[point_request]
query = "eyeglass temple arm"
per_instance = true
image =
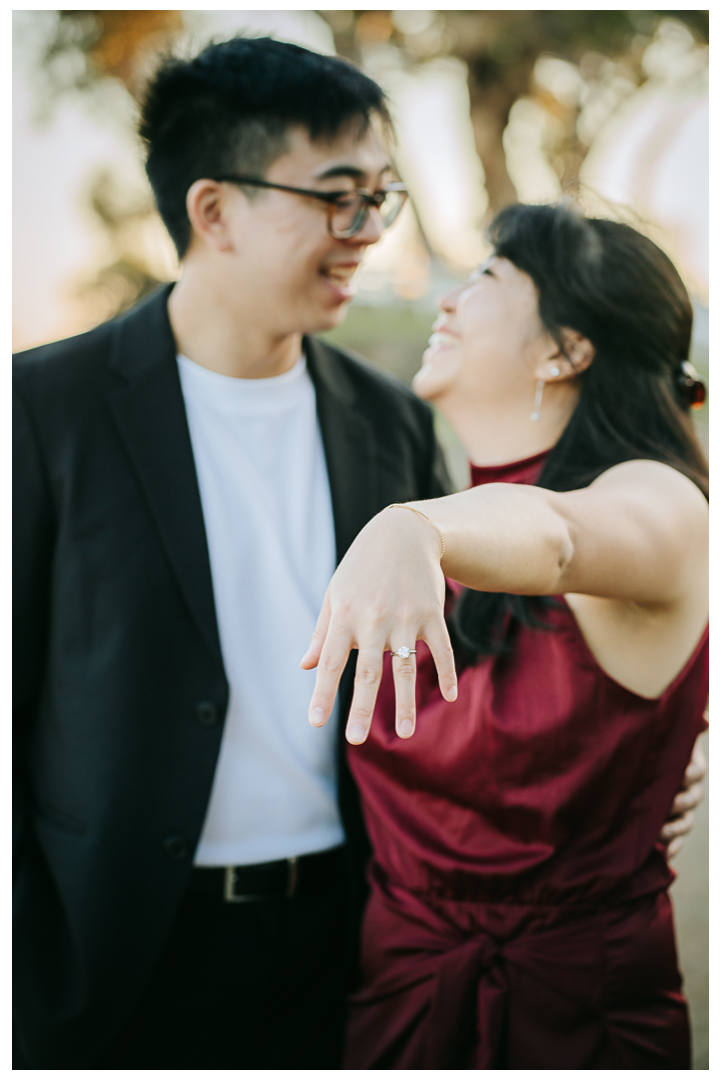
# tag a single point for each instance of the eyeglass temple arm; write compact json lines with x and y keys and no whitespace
{"x":372,"y":198}
{"x":325,"y":196}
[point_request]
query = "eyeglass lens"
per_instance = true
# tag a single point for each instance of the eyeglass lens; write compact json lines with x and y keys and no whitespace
{"x":348,"y":215}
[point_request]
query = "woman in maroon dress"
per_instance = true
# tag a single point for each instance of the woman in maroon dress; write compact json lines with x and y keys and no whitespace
{"x":519,"y":915}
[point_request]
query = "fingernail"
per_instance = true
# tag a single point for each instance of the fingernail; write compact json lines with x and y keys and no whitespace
{"x":452,"y":694}
{"x":355,"y":733}
{"x":406,"y":728}
{"x":316,"y":717}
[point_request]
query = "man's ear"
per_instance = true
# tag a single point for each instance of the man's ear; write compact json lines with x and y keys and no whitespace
{"x":576,"y":355}
{"x":208,"y":210}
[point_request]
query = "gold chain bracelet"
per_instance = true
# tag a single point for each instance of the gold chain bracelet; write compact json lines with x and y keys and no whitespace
{"x":438,"y":530}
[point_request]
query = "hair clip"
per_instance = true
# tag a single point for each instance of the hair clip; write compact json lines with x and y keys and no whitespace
{"x":690,"y":386}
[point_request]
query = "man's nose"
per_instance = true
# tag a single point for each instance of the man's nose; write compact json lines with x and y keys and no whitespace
{"x":372,"y":228}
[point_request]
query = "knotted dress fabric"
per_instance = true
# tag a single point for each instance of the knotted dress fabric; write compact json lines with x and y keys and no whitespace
{"x":518,"y":915}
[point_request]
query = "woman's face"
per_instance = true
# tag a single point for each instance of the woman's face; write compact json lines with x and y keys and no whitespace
{"x":487,"y":341}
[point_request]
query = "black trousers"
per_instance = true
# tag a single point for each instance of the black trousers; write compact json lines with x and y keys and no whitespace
{"x":258,"y":985}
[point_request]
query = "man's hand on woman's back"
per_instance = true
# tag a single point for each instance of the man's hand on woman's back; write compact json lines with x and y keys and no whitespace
{"x":681,"y":817}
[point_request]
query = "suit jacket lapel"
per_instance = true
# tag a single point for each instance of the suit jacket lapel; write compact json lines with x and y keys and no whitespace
{"x":149,"y":411}
{"x":350,"y":446}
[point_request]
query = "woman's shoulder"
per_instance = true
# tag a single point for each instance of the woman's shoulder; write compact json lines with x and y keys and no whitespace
{"x":652,"y":478}
{"x":649,"y":507}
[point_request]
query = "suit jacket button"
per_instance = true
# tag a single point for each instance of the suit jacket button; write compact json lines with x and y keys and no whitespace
{"x":206,"y":714}
{"x":175,"y":848}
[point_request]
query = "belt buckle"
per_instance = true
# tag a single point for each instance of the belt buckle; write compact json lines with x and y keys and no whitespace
{"x":231,"y":897}
{"x":229,"y":894}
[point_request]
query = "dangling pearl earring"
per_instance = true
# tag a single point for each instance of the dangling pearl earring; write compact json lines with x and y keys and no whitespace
{"x":539,"y":387}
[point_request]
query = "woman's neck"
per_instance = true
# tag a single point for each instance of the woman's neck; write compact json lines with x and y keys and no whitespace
{"x":497,"y":436}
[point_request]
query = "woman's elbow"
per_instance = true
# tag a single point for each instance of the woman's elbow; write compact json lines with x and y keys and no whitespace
{"x":563,"y":550}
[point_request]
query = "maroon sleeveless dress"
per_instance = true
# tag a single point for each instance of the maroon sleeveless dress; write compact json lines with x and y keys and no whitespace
{"x":519,"y":916}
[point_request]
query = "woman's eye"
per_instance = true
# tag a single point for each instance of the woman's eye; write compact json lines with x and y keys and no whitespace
{"x":487,"y":270}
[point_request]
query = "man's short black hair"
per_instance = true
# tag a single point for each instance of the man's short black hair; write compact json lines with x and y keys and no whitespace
{"x":229,"y":110}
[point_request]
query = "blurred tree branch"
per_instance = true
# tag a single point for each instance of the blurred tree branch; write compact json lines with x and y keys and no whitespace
{"x":129,"y":274}
{"x":92,"y":45}
{"x":501,"y":49}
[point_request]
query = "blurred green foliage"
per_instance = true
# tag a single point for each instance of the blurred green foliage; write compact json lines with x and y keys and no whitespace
{"x":393,"y":337}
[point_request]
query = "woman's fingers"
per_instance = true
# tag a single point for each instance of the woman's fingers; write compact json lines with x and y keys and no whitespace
{"x":438,"y":641}
{"x":330,"y":667}
{"x":387,"y":583}
{"x":404,"y":670}
{"x":312,"y":656}
{"x":367,"y":681}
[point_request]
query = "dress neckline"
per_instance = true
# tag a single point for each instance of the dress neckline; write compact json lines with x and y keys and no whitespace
{"x":525,"y":471}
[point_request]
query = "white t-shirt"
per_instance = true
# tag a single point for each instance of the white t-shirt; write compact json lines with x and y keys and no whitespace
{"x":268,"y":517}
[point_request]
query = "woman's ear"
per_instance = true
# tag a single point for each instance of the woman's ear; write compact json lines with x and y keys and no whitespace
{"x":579,"y":350}
{"x":576,"y":355}
{"x":208,"y":211}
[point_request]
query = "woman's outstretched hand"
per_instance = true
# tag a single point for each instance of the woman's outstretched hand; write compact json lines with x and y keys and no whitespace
{"x":387,"y":593}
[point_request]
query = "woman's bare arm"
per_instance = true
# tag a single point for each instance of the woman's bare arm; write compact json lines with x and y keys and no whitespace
{"x":638,"y":536}
{"x":638,"y":533}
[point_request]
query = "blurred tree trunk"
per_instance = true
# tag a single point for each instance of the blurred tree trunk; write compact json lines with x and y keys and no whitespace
{"x":489,"y":113}
{"x":500,"y":66}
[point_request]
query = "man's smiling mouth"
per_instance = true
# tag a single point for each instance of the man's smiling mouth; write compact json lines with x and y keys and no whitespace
{"x":338,"y":278}
{"x":339,"y":273}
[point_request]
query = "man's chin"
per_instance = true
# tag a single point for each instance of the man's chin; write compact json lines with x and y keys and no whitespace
{"x":329,"y":319}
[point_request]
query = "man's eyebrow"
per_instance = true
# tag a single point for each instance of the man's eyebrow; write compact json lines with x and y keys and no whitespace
{"x":352,"y":171}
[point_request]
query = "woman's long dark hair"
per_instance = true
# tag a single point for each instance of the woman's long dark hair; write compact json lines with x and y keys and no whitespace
{"x":618,"y":289}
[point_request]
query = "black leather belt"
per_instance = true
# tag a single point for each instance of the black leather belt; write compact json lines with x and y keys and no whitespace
{"x":281,"y":880}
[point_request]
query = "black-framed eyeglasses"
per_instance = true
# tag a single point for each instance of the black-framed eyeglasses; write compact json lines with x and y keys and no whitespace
{"x":347,"y":210}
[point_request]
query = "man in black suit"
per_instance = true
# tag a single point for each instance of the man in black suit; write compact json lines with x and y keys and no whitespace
{"x":189,"y":850}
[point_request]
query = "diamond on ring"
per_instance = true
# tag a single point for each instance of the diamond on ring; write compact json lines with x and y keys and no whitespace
{"x":403,"y":652}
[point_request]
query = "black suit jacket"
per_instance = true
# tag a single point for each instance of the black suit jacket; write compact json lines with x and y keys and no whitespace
{"x":120,"y":691}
